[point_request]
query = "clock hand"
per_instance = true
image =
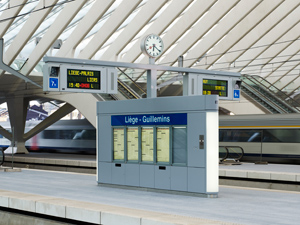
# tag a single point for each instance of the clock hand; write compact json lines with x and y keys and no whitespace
{"x":156,"y":48}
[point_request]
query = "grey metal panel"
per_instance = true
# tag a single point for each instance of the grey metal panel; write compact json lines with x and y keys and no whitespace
{"x":210,"y":104}
{"x":147,"y":176}
{"x":196,"y":127}
{"x":196,"y":180}
{"x":118,"y":173}
{"x":138,"y":66}
{"x":191,"y":178}
{"x":132,"y":176}
{"x":104,"y":143}
{"x":104,"y":172}
{"x":179,"y":178}
{"x":163,"y":177}
{"x":159,"y":105}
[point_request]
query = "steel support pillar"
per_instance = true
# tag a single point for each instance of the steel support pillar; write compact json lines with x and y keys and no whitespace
{"x":151,"y":83}
{"x":17,"y":110}
{"x":57,"y":115}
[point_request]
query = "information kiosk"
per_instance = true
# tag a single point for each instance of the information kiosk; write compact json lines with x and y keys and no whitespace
{"x":166,"y":144}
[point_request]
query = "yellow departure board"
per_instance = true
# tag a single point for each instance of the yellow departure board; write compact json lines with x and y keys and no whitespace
{"x":118,"y":143}
{"x":163,"y":144}
{"x":215,"y":87}
{"x":83,"y":79}
{"x":132,"y":143}
{"x":147,"y":144}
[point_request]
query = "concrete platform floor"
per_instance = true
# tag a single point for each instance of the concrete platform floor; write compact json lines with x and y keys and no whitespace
{"x":70,"y":194}
{"x":271,"y":172}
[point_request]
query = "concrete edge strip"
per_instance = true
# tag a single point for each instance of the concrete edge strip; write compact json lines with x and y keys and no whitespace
{"x":62,"y":162}
{"x":93,"y":212}
{"x":276,"y":176}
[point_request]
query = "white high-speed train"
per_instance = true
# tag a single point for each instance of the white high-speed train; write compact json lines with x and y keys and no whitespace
{"x":275,"y":138}
{"x":72,"y":136}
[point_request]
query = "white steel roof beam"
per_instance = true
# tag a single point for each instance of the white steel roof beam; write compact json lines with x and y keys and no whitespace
{"x":241,"y":30}
{"x":259,"y":64}
{"x":227,"y":32}
{"x":109,"y":27}
{"x":8,"y":16}
{"x":202,"y":27}
{"x":282,"y":52}
{"x":283,"y":74}
{"x":157,"y":27}
{"x":85,"y":25}
{"x":198,"y":9}
{"x":138,"y":22}
{"x":269,"y":18}
{"x":27,"y":31}
{"x":275,"y":32}
{"x":273,"y":57}
{"x":277,"y":68}
{"x":291,"y":47}
{"x":293,"y":86}
{"x":63,"y":19}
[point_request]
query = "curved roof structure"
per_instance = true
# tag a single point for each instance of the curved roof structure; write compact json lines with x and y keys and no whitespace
{"x":257,"y":37}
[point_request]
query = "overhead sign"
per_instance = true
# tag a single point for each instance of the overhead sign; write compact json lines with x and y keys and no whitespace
{"x":79,"y":78}
{"x":83,"y":79}
{"x":149,"y":119}
{"x":215,"y":87}
{"x":226,"y":87}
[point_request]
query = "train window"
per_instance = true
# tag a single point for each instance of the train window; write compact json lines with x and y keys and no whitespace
{"x":282,"y":135}
{"x":50,"y":134}
{"x":179,"y":145}
{"x":241,"y":135}
{"x":60,"y":134}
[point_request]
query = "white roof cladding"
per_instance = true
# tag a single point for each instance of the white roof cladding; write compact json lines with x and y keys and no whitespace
{"x":257,"y":37}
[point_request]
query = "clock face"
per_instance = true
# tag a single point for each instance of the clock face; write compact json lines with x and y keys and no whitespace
{"x":153,"y":45}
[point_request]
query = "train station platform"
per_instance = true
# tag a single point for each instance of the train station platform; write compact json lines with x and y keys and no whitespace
{"x":78,"y":197}
{"x":270,"y":176}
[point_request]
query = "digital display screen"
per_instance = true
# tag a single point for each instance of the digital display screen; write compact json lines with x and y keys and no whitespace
{"x":83,"y":79}
{"x":215,"y":87}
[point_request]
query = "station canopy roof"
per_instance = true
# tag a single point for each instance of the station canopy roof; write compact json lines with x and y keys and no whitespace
{"x":257,"y":37}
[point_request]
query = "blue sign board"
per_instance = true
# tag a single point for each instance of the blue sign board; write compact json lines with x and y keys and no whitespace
{"x":236,"y":93}
{"x":53,"y":83}
{"x":149,"y":119}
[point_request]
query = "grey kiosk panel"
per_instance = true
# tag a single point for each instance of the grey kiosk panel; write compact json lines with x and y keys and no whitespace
{"x":168,"y":143}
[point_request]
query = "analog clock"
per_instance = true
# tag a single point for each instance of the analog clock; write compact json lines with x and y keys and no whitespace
{"x":152,"y":45}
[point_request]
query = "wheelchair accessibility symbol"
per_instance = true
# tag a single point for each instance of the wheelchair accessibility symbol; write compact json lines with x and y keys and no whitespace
{"x":53,"y":83}
{"x":236,"y":93}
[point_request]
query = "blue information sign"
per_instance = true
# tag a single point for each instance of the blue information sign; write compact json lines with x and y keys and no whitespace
{"x":53,"y":83}
{"x":236,"y":93}
{"x":149,"y":119}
